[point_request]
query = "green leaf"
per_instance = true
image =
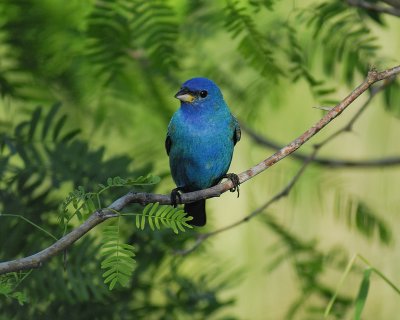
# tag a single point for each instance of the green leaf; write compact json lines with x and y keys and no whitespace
{"x":143,"y":222}
{"x":153,"y":209}
{"x":58,"y":127}
{"x":70,"y":135}
{"x":33,"y":123}
{"x":118,"y":258}
{"x":137,"y":218}
{"x":49,"y":119}
{"x":252,"y":45}
{"x":170,"y":217}
{"x":151,"y":223}
{"x":369,"y":223}
{"x":8,"y":284}
{"x":362,"y":294}
{"x":109,"y":181}
{"x":392,"y":98}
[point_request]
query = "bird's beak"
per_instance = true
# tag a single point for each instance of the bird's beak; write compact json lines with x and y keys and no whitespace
{"x":185,"y":95}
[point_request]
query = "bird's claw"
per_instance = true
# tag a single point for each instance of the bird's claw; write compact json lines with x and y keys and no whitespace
{"x":235,"y":181}
{"x":175,"y":195}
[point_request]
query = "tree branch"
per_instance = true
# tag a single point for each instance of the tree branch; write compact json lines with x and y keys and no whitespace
{"x":393,"y":3}
{"x":394,"y":11}
{"x":335,"y":163}
{"x":286,"y":190}
{"x":36,"y":260}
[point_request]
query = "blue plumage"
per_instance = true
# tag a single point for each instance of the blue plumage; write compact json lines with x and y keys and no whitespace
{"x":200,"y":140}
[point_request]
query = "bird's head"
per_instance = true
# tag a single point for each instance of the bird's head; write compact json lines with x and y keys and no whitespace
{"x":197,"y":91}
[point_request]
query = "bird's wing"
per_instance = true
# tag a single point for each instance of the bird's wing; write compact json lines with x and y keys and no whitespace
{"x":168,"y":143}
{"x":237,"y":133}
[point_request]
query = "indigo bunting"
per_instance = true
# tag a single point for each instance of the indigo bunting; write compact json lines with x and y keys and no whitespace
{"x":200,"y":141}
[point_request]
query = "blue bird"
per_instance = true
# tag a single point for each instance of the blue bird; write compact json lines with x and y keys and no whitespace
{"x":200,"y":141}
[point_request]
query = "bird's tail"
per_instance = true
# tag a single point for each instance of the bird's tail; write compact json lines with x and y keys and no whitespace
{"x":198,"y":211}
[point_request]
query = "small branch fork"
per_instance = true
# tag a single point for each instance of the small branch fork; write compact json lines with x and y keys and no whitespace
{"x":36,"y":260}
{"x":322,"y":161}
{"x":335,"y":163}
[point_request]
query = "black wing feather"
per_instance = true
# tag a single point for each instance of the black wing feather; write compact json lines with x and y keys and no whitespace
{"x":168,"y":143}
{"x":237,"y":133}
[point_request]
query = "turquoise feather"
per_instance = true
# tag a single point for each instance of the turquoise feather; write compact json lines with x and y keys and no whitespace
{"x":200,"y":140}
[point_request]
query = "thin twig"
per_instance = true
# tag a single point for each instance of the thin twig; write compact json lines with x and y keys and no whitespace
{"x":36,"y":260}
{"x":393,"y":3}
{"x":334,"y":163}
{"x":349,"y":126}
{"x":375,"y":7}
{"x":323,"y":161}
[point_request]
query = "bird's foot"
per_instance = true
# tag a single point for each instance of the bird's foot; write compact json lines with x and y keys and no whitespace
{"x":174,"y":196}
{"x":235,"y":181}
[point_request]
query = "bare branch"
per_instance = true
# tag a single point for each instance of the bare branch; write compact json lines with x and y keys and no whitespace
{"x":36,"y":260}
{"x":329,"y":162}
{"x":394,"y":11}
{"x":393,"y":3}
{"x":335,"y":163}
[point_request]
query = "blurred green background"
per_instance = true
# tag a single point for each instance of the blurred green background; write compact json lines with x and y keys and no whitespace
{"x":103,"y":75}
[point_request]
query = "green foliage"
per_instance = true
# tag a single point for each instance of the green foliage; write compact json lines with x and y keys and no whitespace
{"x":168,"y":216}
{"x":50,"y":32}
{"x":343,"y":37}
{"x":118,"y":258}
{"x":115,"y":65}
{"x":80,"y":203}
{"x":369,"y":223}
{"x":120,"y":32}
{"x":366,"y":221}
{"x":8,"y":286}
{"x":257,"y":4}
{"x":252,"y":45}
{"x":156,"y":31}
{"x":392,"y":98}
{"x":110,"y":35}
{"x":362,"y":294}
{"x":300,"y":70}
{"x":73,"y":281}
{"x":364,"y":286}
{"x":28,"y":142}
{"x":310,"y":264}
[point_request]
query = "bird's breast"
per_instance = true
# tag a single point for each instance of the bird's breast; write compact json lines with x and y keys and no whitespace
{"x":201,"y":153}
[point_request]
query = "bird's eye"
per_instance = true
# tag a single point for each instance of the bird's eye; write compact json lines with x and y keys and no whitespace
{"x":203,"y":93}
